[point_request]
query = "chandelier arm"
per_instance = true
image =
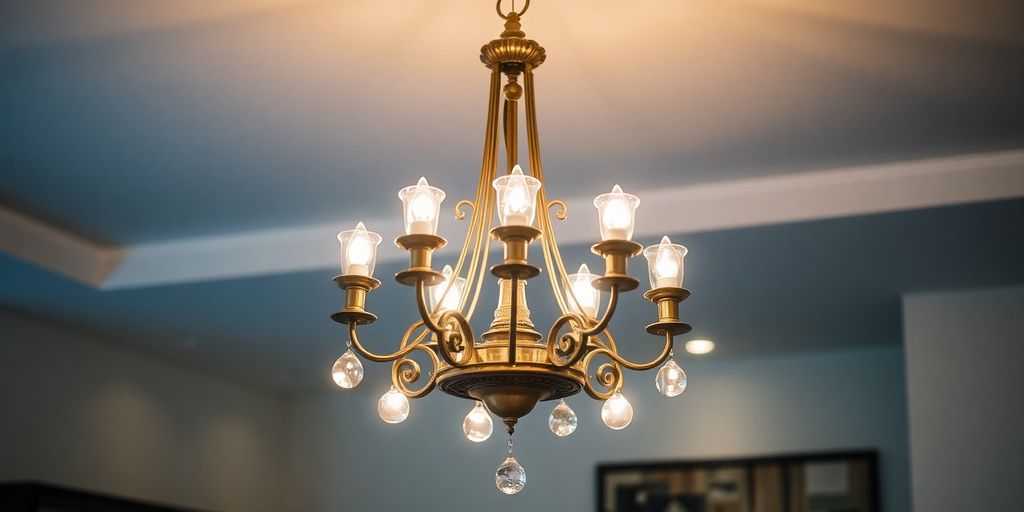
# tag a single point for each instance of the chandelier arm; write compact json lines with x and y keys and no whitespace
{"x":473,"y":232}
{"x":488,"y":170}
{"x":549,"y":248}
{"x":406,"y":371}
{"x":425,"y":315}
{"x":406,"y":349}
{"x":609,"y":312}
{"x":639,"y":367}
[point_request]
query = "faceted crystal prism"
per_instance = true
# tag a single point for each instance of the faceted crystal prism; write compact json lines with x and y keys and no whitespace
{"x":347,"y":370}
{"x":510,"y":477}
{"x":671,"y":379}
{"x":563,"y":420}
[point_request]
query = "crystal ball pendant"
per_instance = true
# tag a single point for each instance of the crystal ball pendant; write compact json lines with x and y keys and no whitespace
{"x":347,"y":370}
{"x":563,"y":420}
{"x":510,"y":477}
{"x":671,"y":379}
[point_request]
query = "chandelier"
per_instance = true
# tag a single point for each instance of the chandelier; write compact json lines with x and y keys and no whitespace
{"x":511,"y":367}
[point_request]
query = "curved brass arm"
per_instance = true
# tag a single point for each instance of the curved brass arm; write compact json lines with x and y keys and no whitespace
{"x":421,"y":304}
{"x":454,"y":334}
{"x":406,"y":349}
{"x":639,"y":367}
{"x":613,"y":302}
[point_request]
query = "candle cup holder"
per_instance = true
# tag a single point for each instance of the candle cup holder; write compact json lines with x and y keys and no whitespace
{"x":616,"y":254}
{"x":668,"y":299}
{"x":356,"y":287}
{"x":516,"y":240}
{"x":421,"y":247}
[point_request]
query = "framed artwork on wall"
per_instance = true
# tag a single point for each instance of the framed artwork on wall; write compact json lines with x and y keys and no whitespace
{"x":821,"y":482}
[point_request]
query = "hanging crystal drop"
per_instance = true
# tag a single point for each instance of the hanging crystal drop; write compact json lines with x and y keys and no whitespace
{"x":347,"y":370}
{"x":671,"y":379}
{"x":563,"y":420}
{"x":510,"y":476}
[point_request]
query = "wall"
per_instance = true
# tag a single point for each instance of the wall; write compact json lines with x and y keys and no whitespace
{"x":342,"y":457}
{"x":964,"y":356}
{"x":81,"y":413}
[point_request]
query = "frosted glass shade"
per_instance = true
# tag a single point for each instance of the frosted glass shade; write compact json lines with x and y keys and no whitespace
{"x":358,"y":251}
{"x":616,"y":213}
{"x":421,"y":205}
{"x":587,"y":298}
{"x":447,"y":295}
{"x":665,"y":264}
{"x":517,"y":198}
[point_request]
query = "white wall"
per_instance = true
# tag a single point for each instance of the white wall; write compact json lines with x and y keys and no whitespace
{"x":965,"y":353}
{"x":342,"y":457}
{"x":85,"y":414}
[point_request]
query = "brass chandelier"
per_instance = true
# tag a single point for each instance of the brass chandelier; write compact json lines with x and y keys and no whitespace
{"x":511,"y":367}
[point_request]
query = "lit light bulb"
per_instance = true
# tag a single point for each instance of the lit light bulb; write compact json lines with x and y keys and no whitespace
{"x":478,"y":425}
{"x":347,"y":370}
{"x":446,"y":293}
{"x":563,"y":420}
{"x":671,"y":379}
{"x":699,"y":347}
{"x":665,"y":261}
{"x":615,"y":212}
{"x":616,"y":412}
{"x":393,"y":406}
{"x":587,"y":297}
{"x":517,"y":197}
{"x":359,"y":248}
{"x":422,"y":203}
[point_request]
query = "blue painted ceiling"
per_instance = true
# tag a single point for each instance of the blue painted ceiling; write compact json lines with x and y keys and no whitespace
{"x":139,"y":121}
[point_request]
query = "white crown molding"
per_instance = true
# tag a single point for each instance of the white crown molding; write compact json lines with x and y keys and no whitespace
{"x":54,"y":249}
{"x":679,"y":210}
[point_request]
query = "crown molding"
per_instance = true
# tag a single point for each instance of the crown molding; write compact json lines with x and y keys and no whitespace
{"x":723,"y":205}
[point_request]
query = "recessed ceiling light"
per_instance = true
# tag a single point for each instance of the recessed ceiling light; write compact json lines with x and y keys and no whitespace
{"x":700,"y":346}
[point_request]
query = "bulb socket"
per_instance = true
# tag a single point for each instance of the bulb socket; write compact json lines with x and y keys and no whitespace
{"x":356,"y":287}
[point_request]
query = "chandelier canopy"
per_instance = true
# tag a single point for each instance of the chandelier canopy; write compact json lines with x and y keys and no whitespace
{"x":511,"y":367}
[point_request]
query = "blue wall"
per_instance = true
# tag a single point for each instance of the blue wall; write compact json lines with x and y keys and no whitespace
{"x":342,"y":457}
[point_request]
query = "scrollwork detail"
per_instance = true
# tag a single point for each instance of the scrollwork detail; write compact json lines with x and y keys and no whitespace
{"x":406,"y":371}
{"x":608,"y":375}
{"x":567,"y":349}
{"x":459,"y":214}
{"x":563,"y":210}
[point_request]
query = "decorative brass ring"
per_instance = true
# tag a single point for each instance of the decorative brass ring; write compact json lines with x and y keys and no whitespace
{"x":410,"y":277}
{"x":510,"y":270}
{"x":667,"y":293}
{"x":504,"y":16}
{"x":354,"y":317}
{"x":624,"y":283}
{"x":356,"y":281}
{"x":673,"y":328}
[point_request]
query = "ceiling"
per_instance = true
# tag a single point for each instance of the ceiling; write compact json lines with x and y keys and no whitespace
{"x":184,"y":134}
{"x":131,"y":122}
